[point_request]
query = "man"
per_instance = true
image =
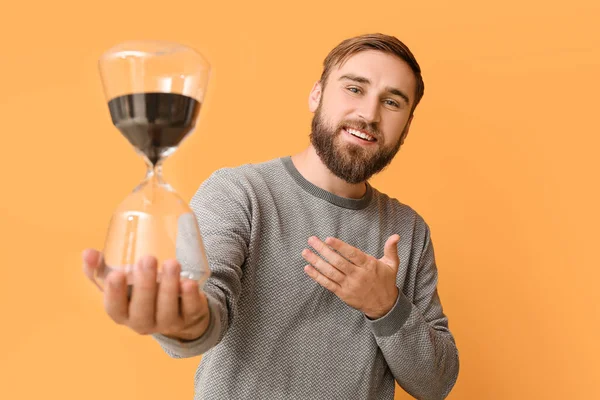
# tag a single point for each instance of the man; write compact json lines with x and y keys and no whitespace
{"x":277,"y":320}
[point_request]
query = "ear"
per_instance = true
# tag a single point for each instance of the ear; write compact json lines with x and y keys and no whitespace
{"x":315,"y":97}
{"x":406,"y":129}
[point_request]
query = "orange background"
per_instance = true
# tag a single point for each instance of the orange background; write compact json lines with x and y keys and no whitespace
{"x":502,"y":161}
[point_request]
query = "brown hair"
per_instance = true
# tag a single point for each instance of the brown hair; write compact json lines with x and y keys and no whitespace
{"x":374,"y":41}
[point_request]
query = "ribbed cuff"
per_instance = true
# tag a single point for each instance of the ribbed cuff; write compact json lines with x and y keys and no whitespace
{"x":182,"y":349}
{"x":391,"y":322}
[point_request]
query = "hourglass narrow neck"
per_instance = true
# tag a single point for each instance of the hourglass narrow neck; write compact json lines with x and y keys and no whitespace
{"x":154,"y":171}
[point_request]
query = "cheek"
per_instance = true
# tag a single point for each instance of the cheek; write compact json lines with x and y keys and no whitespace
{"x":339,"y":104}
{"x":393,"y":130}
{"x":331,"y":115}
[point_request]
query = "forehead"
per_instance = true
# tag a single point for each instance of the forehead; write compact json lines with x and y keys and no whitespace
{"x":382,"y":69}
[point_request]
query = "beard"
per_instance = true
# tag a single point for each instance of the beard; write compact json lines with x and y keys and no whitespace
{"x":351,"y":162}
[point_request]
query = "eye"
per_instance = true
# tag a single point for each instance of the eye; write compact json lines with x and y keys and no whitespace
{"x":392,"y":103}
{"x":354,"y":89}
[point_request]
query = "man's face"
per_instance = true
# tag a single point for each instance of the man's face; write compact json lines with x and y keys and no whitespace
{"x":370,"y":95}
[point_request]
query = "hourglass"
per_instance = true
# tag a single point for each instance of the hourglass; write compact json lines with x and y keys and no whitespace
{"x":154,"y":91}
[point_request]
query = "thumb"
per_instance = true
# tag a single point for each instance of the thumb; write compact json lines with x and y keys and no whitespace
{"x":93,"y":265}
{"x":390,"y":251}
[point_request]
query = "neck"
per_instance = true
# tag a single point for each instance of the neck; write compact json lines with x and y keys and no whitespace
{"x":310,"y":166}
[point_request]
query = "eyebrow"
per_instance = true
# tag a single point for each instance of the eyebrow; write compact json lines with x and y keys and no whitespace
{"x":389,"y":89}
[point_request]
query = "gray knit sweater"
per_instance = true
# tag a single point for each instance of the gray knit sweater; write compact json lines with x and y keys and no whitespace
{"x":277,"y":334}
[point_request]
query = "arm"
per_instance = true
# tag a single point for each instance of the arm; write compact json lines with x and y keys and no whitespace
{"x":414,"y":336}
{"x":223,"y":211}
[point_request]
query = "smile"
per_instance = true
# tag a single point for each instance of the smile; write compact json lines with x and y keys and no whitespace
{"x":360,"y":134}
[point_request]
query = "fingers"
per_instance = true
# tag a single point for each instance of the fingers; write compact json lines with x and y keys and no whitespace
{"x":91,"y":259}
{"x":351,"y":253}
{"x":116,"y":303}
{"x":93,"y":265}
{"x":322,"y":279}
{"x":167,"y":304}
{"x":323,"y":267}
{"x":194,"y":306}
{"x":172,"y":306}
{"x":390,"y":251}
{"x":143,"y":299}
{"x":339,"y":262}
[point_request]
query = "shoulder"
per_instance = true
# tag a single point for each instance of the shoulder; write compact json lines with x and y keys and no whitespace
{"x":244,"y":178}
{"x":400,"y":214}
{"x":388,"y":204}
{"x":246,"y":172}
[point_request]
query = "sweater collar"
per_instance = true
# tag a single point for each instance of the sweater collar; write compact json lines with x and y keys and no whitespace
{"x":353,"y":204}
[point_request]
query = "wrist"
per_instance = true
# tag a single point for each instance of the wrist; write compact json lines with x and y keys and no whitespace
{"x":386,"y":305}
{"x":193,"y":332}
{"x":190,"y":335}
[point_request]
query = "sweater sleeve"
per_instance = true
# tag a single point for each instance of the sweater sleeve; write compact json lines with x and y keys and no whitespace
{"x":414,"y":337}
{"x":223,"y":211}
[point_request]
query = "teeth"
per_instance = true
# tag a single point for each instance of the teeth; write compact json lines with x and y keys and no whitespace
{"x":360,"y":134}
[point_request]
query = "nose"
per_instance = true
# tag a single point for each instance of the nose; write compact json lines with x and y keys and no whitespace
{"x":369,"y":110}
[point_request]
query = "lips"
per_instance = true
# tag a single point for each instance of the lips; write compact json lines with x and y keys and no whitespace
{"x":358,"y":140}
{"x":360,"y":134}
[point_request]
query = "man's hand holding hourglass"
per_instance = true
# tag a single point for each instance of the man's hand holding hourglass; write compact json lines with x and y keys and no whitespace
{"x":174,"y":307}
